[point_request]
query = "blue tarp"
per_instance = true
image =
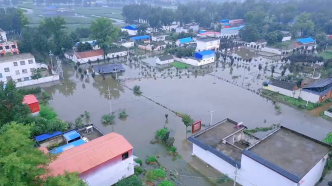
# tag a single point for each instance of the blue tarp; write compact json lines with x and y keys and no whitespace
{"x":235,"y":28}
{"x":130,"y":27}
{"x":141,"y":37}
{"x":202,"y":31}
{"x":205,"y":53}
{"x":47,"y":136}
{"x":68,"y":146}
{"x":306,"y":40}
{"x":71,"y":135}
{"x":224,"y":20}
{"x":186,"y":40}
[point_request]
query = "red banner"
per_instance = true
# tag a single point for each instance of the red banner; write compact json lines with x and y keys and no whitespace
{"x":196,"y":126}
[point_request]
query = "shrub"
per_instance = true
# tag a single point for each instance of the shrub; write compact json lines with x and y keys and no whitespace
{"x":155,"y":174}
{"x":166,"y":183}
{"x":161,"y":133}
{"x":137,"y":90}
{"x":78,"y":122}
{"x":47,"y":112}
{"x":139,"y":161}
{"x":173,"y":149}
{"x":151,"y":160}
{"x":26,"y":91}
{"x":108,"y":118}
{"x":123,"y":114}
{"x":138,"y":170}
{"x":223,"y":179}
{"x":169,"y":142}
{"x":130,"y":181}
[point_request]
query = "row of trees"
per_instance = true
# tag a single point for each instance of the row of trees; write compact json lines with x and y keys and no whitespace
{"x":12,"y":20}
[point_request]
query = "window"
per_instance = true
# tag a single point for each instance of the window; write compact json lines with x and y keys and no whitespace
{"x":7,"y":47}
{"x":30,"y":61}
{"x":8,"y":78}
{"x":125,"y":156}
{"x":17,"y":72}
{"x":19,"y":80}
{"x":22,"y":62}
{"x":24,"y":71}
{"x":0,"y":75}
{"x":7,"y":69}
{"x":1,"y":48}
{"x":26,"y":79}
{"x":32,"y":69}
{"x":13,"y":46}
{"x":15,"y":64}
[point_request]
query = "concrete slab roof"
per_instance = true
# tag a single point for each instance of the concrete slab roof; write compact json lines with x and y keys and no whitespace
{"x":290,"y":151}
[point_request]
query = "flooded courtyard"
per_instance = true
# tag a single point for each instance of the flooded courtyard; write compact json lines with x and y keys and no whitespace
{"x":191,"y":94}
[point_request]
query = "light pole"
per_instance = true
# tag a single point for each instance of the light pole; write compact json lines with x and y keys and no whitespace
{"x":211,"y":114}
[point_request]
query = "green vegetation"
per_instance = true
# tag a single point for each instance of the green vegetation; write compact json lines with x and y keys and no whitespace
{"x":166,"y":183}
{"x":328,"y":165}
{"x":327,"y":54}
{"x":26,"y":91}
{"x":151,"y":160}
{"x":108,"y":118}
{"x":47,"y":112}
{"x":155,"y":174}
{"x":187,"y":121}
{"x":161,"y":133}
{"x":223,"y":179}
{"x":123,"y":114}
{"x":261,"y":129}
{"x":137,"y":90}
{"x":130,"y":181}
{"x":139,"y":161}
{"x":180,"y":65}
{"x":16,"y":148}
{"x":138,"y":170}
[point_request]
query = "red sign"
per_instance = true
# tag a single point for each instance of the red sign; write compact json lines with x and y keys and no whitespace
{"x":196,"y":126}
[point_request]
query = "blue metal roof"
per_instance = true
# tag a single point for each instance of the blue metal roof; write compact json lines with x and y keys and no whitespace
{"x":206,"y":52}
{"x":186,"y":40}
{"x":215,"y":152}
{"x":130,"y":27}
{"x":272,"y":166}
{"x":71,"y":135}
{"x":202,"y":31}
{"x":47,"y":136}
{"x":306,"y":40}
{"x":141,"y":37}
{"x":68,"y":146}
{"x":224,"y":20}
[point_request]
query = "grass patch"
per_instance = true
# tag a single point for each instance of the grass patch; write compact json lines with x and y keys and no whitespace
{"x":326,"y":54}
{"x":151,"y":160}
{"x":282,"y":45}
{"x":180,"y":65}
{"x":155,"y":174}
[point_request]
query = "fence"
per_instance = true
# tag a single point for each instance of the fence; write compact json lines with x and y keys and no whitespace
{"x":38,"y":81}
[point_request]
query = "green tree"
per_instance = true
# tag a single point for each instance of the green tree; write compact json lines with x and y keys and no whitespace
{"x":223,"y":179}
{"x":304,"y":25}
{"x":249,"y":33}
{"x":103,"y":31}
{"x":166,"y":183}
{"x":187,"y":121}
{"x":11,"y":107}
{"x":69,"y":179}
{"x":130,"y":181}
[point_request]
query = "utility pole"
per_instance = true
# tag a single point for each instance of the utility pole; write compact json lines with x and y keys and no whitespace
{"x":235,"y":175}
{"x":244,"y":74}
{"x":211,"y":114}
{"x":110,"y":102}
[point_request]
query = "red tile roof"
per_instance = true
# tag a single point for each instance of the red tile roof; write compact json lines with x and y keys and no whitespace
{"x":29,"y":99}
{"x":90,"y":53}
{"x":90,"y":155}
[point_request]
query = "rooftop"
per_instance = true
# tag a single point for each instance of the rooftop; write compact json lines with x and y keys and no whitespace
{"x":141,"y":37}
{"x":90,"y":155}
{"x":71,"y":135}
{"x":109,"y":68}
{"x":16,"y":57}
{"x":319,"y":87}
{"x":165,"y":57}
{"x":206,"y":52}
{"x":68,"y":146}
{"x":207,"y":39}
{"x":29,"y":99}
{"x":283,"y":84}
{"x":306,"y":40}
{"x":186,"y":40}
{"x":293,"y":152}
{"x":116,"y":49}
{"x":89,"y":53}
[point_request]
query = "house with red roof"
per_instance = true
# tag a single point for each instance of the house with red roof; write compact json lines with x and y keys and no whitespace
{"x":33,"y":103}
{"x":100,"y":162}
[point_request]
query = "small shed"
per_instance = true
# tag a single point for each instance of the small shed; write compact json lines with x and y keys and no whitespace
{"x":44,"y":137}
{"x":72,"y":136}
{"x":68,"y":146}
{"x":33,"y":103}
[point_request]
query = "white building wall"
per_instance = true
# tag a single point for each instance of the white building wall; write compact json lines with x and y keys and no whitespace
{"x":313,"y":98}
{"x":181,"y":29}
{"x":85,"y":60}
{"x":19,"y":68}
{"x":254,"y":173}
{"x":3,"y":35}
{"x":196,"y":62}
{"x":109,"y":173}
{"x":113,"y":55}
{"x":164,"y":62}
{"x":313,"y":176}
{"x":271,"y":50}
{"x":214,"y":161}
{"x":130,"y":32}
{"x":201,"y":45}
{"x":287,"y":38}
{"x":128,"y":44}
{"x":38,"y":81}
{"x":294,"y":94}
{"x":158,"y":38}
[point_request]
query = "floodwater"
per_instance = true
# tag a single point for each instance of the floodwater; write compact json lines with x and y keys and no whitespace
{"x":190,"y":94}
{"x":317,"y":111}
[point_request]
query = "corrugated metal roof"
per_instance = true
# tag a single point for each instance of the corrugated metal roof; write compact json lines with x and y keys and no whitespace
{"x":283,"y":84}
{"x":68,"y":146}
{"x":206,"y":52}
{"x":141,"y":37}
{"x":71,"y":135}
{"x":320,"y":83}
{"x":47,"y":136}
{"x":272,"y":166}
{"x":215,"y":152}
{"x":90,"y":155}
{"x":130,"y":27}
{"x":29,"y":99}
{"x":306,"y":40}
{"x":186,"y":40}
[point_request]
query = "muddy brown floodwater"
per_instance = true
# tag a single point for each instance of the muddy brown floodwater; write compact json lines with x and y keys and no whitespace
{"x":194,"y":96}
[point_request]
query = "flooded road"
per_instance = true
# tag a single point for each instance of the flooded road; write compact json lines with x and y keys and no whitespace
{"x":190,"y":94}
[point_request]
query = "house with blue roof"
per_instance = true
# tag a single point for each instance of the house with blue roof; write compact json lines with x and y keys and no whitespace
{"x":131,"y":29}
{"x":200,"y":58}
{"x":305,"y":41}
{"x":144,"y":38}
{"x":184,"y":41}
{"x":231,"y":32}
{"x":280,"y":157}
